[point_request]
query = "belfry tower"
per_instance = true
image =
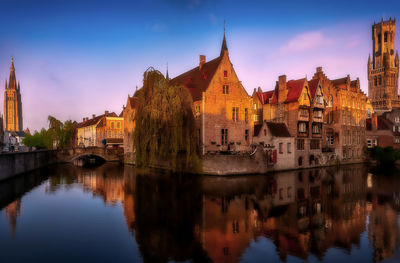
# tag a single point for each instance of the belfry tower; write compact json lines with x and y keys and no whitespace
{"x":383,"y":70}
{"x":12,"y":103}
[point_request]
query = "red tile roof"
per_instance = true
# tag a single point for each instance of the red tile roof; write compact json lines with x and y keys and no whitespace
{"x":278,"y":129}
{"x":265,"y":96}
{"x":94,"y":120}
{"x":275,"y":128}
{"x":196,"y":80}
{"x":313,"y":84}
{"x":295,"y":88}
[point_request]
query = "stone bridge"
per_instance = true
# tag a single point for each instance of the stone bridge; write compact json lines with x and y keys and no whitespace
{"x":108,"y":154}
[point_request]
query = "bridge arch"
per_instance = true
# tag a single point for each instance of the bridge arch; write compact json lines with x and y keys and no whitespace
{"x":107,"y":154}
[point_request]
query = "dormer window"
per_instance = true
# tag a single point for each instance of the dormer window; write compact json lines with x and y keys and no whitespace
{"x":225,"y":73}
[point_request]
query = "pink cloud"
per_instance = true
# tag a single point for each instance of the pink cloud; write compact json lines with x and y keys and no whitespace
{"x":306,"y":41}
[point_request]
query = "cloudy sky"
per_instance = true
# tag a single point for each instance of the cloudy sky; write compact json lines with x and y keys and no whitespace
{"x":78,"y":58}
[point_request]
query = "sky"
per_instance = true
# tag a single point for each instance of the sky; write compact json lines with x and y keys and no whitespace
{"x":78,"y":58}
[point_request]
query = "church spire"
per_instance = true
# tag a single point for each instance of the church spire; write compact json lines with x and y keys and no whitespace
{"x":224,"y":46}
{"x":166,"y":75}
{"x":12,"y":83}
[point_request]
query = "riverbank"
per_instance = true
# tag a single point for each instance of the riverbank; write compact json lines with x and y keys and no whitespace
{"x":16,"y":163}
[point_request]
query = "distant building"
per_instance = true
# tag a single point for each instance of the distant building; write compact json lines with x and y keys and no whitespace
{"x":128,"y":114}
{"x":1,"y":132}
{"x":12,"y":104}
{"x":383,"y":69}
{"x":222,"y":107}
{"x":381,"y":131}
{"x":100,"y":131}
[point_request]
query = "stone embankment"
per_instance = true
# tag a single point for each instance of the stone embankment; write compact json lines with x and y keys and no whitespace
{"x":21,"y":162}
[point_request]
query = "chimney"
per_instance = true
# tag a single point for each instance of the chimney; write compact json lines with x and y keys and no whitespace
{"x":282,"y":89}
{"x":84,"y":119}
{"x":106,"y":113}
{"x":93,"y":116}
{"x":202,"y":61}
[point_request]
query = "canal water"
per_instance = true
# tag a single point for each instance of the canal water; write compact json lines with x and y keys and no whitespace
{"x":115,"y":213}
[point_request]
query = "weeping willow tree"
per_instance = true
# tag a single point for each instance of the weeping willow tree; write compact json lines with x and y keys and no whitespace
{"x":165,"y":127}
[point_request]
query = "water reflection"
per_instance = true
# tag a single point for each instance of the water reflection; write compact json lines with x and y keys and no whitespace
{"x":213,"y":219}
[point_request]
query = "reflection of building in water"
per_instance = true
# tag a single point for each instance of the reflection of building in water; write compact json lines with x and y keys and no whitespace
{"x":344,"y":208}
{"x":383,"y":228}
{"x":383,"y":231}
{"x":302,"y":212}
{"x":109,"y":187}
{"x":230,"y":211}
{"x":13,"y":210}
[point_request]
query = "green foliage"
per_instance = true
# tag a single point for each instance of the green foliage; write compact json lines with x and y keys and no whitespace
{"x":58,"y":135}
{"x":385,"y":157}
{"x":165,"y":127}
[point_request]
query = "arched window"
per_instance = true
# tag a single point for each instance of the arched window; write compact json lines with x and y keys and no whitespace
{"x":300,"y":161}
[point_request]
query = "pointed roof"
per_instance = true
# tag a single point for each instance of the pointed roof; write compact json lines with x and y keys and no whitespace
{"x":12,"y":83}
{"x":313,"y":85}
{"x":197,"y":80}
{"x":224,"y":46}
{"x":276,"y":129}
{"x":166,"y":74}
{"x":265,"y":96}
{"x":295,"y":87}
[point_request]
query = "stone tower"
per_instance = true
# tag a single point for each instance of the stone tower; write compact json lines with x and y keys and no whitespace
{"x":12,"y":103}
{"x":383,"y":69}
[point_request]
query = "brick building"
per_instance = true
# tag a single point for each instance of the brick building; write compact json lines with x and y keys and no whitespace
{"x":383,"y":69}
{"x":107,"y":128}
{"x":129,"y":128}
{"x":278,"y":144}
{"x":344,"y":117}
{"x":301,"y":108}
{"x":381,"y":132}
{"x":222,"y":107}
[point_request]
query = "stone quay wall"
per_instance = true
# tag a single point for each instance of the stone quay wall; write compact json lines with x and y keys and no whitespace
{"x":12,"y":164}
{"x":234,"y":164}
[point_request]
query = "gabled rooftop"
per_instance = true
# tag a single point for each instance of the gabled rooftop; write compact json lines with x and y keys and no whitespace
{"x":295,"y":87}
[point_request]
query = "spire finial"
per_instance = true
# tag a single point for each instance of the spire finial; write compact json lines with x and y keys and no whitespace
{"x":167,"y":75}
{"x":224,"y":45}
{"x":224,"y":26}
{"x":12,"y":63}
